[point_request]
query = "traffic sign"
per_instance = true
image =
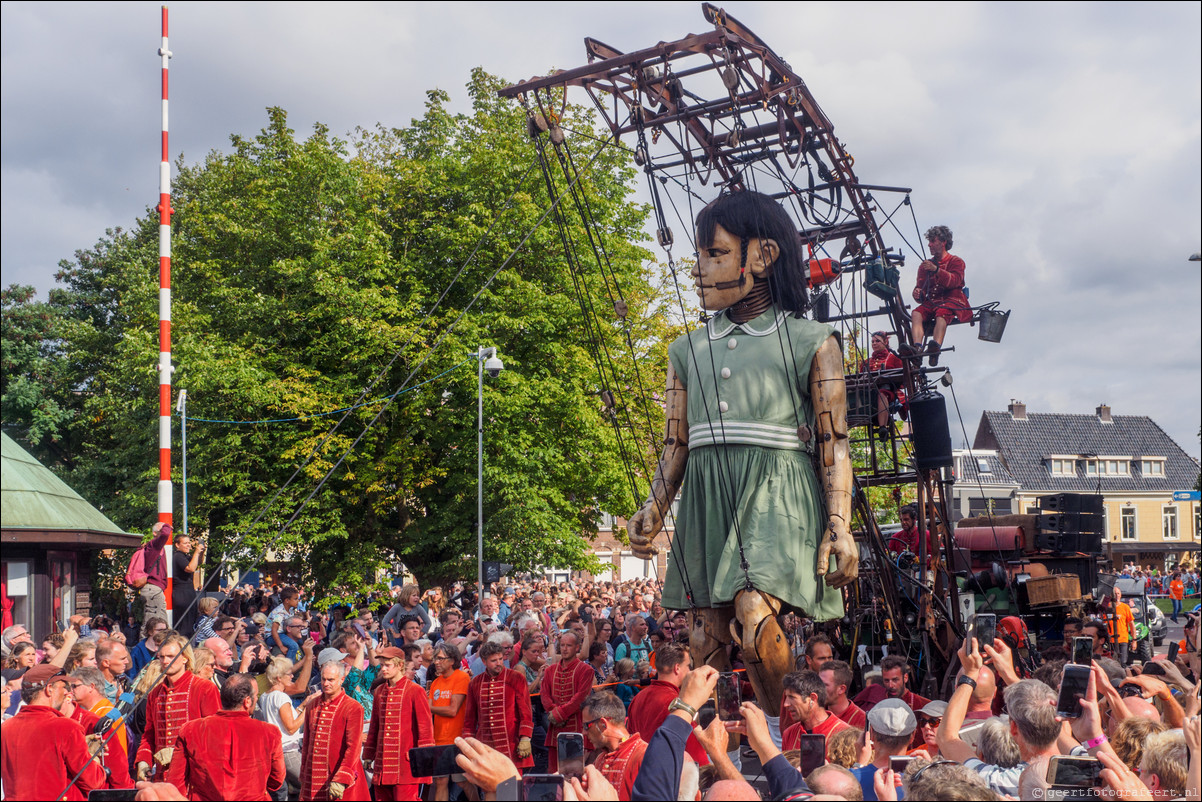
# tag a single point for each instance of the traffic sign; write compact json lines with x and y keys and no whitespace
{"x":1187,"y":495}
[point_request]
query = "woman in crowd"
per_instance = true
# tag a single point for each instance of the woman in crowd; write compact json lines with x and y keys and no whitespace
{"x":275,"y":707}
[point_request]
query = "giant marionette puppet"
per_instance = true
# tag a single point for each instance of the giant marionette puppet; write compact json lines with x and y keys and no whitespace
{"x":756,"y":444}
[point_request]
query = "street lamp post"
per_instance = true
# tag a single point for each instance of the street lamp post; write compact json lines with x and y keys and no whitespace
{"x":486,"y":359}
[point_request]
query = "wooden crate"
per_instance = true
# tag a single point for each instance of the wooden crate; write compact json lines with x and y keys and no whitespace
{"x":1054,"y":589}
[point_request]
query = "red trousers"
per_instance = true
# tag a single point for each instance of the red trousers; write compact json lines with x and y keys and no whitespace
{"x":407,"y":792}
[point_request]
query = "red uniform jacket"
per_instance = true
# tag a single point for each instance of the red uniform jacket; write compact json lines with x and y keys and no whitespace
{"x":791,"y":738}
{"x":870,"y":696}
{"x":116,"y":759}
{"x":649,"y":709}
{"x":564,"y":688}
{"x":40,"y":751}
{"x":854,"y":716}
{"x":170,"y":707}
{"x":330,"y":750}
{"x":498,"y":713}
{"x":400,"y":720}
{"x":228,"y":755}
{"x":944,"y":289}
{"x":621,"y":766}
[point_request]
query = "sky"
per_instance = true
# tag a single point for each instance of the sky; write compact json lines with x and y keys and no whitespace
{"x":1060,"y":142}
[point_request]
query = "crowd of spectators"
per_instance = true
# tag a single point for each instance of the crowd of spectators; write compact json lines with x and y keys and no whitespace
{"x":327,"y":704}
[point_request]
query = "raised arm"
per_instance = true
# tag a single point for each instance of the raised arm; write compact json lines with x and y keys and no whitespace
{"x":645,"y":524}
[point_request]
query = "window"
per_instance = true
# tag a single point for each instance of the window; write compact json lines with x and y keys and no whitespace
{"x":607,"y":567}
{"x":1064,"y":467}
{"x":607,"y":521}
{"x":1197,"y":520}
{"x":981,"y":506}
{"x":1127,"y":523}
{"x":62,"y":586}
{"x":18,"y":581}
{"x":1091,"y":467}
{"x":1168,"y":517}
{"x":1152,"y":467}
{"x":983,"y":465}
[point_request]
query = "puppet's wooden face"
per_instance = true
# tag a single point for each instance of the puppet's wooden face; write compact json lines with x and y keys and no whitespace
{"x":721,"y":276}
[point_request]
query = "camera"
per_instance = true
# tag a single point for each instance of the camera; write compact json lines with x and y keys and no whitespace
{"x":493,"y":366}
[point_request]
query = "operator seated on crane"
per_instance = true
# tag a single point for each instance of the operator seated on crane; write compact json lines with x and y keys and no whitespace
{"x":906,"y":539}
{"x":889,"y":391}
{"x":940,"y":295}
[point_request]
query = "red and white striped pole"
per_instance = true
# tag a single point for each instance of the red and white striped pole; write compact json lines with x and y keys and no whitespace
{"x":165,"y":368}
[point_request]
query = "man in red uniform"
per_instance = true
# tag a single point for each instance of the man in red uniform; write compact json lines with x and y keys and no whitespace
{"x":229,"y":755}
{"x":621,"y":753}
{"x":40,"y":748}
{"x":650,"y":705}
{"x":806,"y":697}
{"x":906,"y":538}
{"x":819,"y":649}
{"x":894,"y":673}
{"x":330,"y":766}
{"x":176,"y":700}
{"x":564,"y":688}
{"x":836,"y":675}
{"x":498,"y":708}
{"x":887,"y":389}
{"x":400,"y":720}
{"x":939,"y":292}
{"x":87,"y":689}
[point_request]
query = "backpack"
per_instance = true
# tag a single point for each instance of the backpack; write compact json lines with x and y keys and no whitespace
{"x":135,"y":574}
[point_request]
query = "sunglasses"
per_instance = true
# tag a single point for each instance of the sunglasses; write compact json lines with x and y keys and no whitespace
{"x":929,"y":722}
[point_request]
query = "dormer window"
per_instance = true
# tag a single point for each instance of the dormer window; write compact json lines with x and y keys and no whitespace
{"x":1063,"y":466}
{"x":983,"y":466}
{"x":1151,"y":466}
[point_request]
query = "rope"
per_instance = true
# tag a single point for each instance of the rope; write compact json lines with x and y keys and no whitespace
{"x":333,"y":411}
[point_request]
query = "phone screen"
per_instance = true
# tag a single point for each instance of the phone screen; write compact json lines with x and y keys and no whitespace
{"x":1072,"y":690}
{"x":813,"y":752}
{"x":433,"y":761}
{"x":706,"y":714}
{"x":571,"y":754}
{"x":1076,"y":772}
{"x":984,"y":629}
{"x":542,"y":787}
{"x":1083,"y":650}
{"x":726,"y":697}
{"x":1174,"y":647}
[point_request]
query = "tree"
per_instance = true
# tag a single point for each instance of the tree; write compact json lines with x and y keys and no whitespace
{"x":306,"y":271}
{"x":32,"y":378}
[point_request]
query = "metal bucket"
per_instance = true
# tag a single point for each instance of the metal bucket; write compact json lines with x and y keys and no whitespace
{"x":993,"y":325}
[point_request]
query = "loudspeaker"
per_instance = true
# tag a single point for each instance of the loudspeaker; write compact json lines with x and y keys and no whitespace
{"x":1071,"y":522}
{"x":1089,"y":543}
{"x":1072,"y":502}
{"x":930,"y":436}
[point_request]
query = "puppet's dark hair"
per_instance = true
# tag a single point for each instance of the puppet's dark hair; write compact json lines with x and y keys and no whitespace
{"x":748,"y":215}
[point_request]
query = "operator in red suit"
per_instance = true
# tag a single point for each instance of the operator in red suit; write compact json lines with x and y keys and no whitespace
{"x":229,"y":755}
{"x":400,"y":720}
{"x":565,"y":686}
{"x":498,"y":708}
{"x":171,"y":704}
{"x":939,"y":292}
{"x":330,"y":765}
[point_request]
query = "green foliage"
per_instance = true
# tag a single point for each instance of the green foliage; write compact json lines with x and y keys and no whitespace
{"x":303,"y":270}
{"x":32,"y":379}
